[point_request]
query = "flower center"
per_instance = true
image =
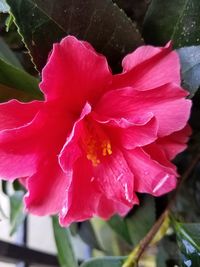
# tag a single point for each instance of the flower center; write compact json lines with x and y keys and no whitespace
{"x":96,"y":143}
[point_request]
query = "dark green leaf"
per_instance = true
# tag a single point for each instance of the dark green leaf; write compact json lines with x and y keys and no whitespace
{"x":64,"y":247}
{"x":102,"y":23}
{"x":188,"y":199}
{"x":16,"y":78}
{"x":190,"y":68}
{"x":188,"y":236}
{"x":177,"y":20}
{"x":7,"y":55}
{"x":4,"y":186}
{"x":105,"y":262}
{"x":4,"y":8}
{"x":167,"y":252}
{"x":17,"y":186}
{"x":135,"y":9}
{"x":119,"y":225}
{"x":17,"y":215}
{"x":142,"y":219}
{"x":88,"y":235}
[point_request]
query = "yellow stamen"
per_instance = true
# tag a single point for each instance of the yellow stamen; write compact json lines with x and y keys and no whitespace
{"x":106,"y":148}
{"x":96,"y":145}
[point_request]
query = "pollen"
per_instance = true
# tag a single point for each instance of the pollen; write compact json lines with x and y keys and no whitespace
{"x":96,"y":148}
{"x":91,"y":148}
{"x":106,"y":148}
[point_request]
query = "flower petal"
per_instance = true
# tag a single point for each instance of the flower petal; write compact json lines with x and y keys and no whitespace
{"x":108,"y":207}
{"x":71,"y":151}
{"x":175,"y":142}
{"x":150,"y":175}
{"x":15,"y":114}
{"x":142,"y":54}
{"x":129,"y":134}
{"x":74,"y":74}
{"x":149,"y":67}
{"x":83,"y":194}
{"x":18,"y":153}
{"x":115,"y":178}
{"x":47,"y":188}
{"x":22,"y":148}
{"x":167,"y":103}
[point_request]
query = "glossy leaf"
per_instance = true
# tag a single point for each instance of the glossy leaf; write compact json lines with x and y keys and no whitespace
{"x":4,"y":8}
{"x":87,"y":234}
{"x":135,"y":9}
{"x":119,"y":225}
{"x":101,"y":23}
{"x":17,"y":214}
{"x":177,"y":20}
{"x":64,"y":247}
{"x":13,"y":77}
{"x":188,"y":236}
{"x":7,"y":55}
{"x":105,"y":262}
{"x":141,"y":220}
{"x":190,"y":68}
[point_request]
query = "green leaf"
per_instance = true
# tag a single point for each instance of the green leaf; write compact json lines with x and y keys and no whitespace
{"x":188,"y":237}
{"x":177,"y":20}
{"x":104,"y":262}
{"x":7,"y":55}
{"x":142,"y":219}
{"x":64,"y":247}
{"x":9,"y":21}
{"x":17,"y":215}
{"x":101,"y":23}
{"x":87,"y":234}
{"x":119,"y":225}
{"x":18,"y":79}
{"x":135,"y":9}
{"x":4,"y":8}
{"x":190,"y":68}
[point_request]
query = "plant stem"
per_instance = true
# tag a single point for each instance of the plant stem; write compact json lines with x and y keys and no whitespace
{"x":134,"y":256}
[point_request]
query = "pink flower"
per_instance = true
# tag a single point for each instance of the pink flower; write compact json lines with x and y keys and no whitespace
{"x":97,"y":138}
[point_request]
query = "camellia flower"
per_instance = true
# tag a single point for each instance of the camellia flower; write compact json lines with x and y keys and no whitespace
{"x":97,"y":138}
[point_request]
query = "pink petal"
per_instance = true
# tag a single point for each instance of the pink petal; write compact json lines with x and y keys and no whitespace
{"x":21,"y":149}
{"x":75,"y":74}
{"x":143,"y":54}
{"x":149,"y":67}
{"x":115,"y":178}
{"x":15,"y":114}
{"x":111,"y":180}
{"x":166,"y":103}
{"x":71,"y":150}
{"x":130,"y":134}
{"x":150,"y":176}
{"x":83,"y":194}
{"x":108,"y":208}
{"x":47,"y":188}
{"x":175,"y":142}
{"x":18,"y":153}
